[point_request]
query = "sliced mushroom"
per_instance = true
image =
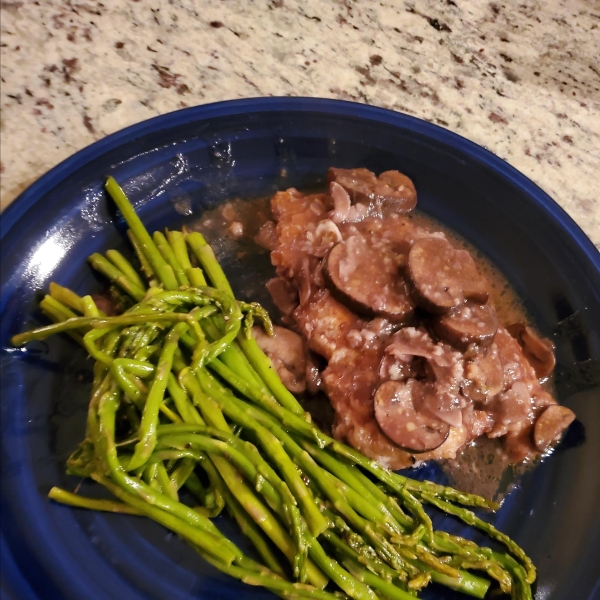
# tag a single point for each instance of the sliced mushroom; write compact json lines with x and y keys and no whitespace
{"x":404,"y":197}
{"x":518,"y":443}
{"x":538,"y":351}
{"x":484,"y":376}
{"x":395,"y":413}
{"x":326,"y":236}
{"x":392,"y":191}
{"x":284,"y":295}
{"x":550,"y":424}
{"x":287,"y":353}
{"x":467,"y":324}
{"x":444,"y":402}
{"x":444,"y":277}
{"x":512,"y":410}
{"x":409,"y":342}
{"x":367,"y":281}
{"x":341,"y":203}
{"x":343,"y":210}
{"x":443,"y":369}
{"x":395,"y":369}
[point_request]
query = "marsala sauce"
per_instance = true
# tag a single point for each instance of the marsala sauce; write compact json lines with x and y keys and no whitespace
{"x":482,"y":467}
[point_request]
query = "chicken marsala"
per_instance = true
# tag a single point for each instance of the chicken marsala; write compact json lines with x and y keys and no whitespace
{"x":417,"y":363}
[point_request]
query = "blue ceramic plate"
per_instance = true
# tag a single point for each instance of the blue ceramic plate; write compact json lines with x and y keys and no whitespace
{"x":194,"y":159}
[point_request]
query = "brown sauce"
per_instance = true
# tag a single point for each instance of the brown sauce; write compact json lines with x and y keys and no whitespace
{"x":237,"y":220}
{"x":216,"y":226}
{"x":508,"y":305}
{"x":482,"y":467}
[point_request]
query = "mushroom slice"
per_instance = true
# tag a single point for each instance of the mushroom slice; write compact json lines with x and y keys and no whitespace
{"x":367,"y":281}
{"x":395,"y":412}
{"x":287,"y":353}
{"x":404,"y":195}
{"x":467,"y":324}
{"x":538,"y":351}
{"x":343,"y":210}
{"x":484,"y":376}
{"x":443,"y":368}
{"x":392,"y":368}
{"x":284,"y":295}
{"x":550,"y":424}
{"x":391,"y":191}
{"x":444,"y":277}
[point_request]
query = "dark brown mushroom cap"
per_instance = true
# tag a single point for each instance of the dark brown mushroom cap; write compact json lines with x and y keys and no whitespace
{"x":444,"y":277}
{"x":538,"y":351}
{"x":467,"y":324}
{"x":391,"y":190}
{"x":550,"y":424}
{"x":367,"y":281}
{"x":416,"y":432}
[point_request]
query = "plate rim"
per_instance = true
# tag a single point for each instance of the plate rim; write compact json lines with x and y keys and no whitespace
{"x":26,"y":199}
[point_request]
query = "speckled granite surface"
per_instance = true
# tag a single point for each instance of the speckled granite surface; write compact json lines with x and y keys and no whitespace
{"x":521,"y":79}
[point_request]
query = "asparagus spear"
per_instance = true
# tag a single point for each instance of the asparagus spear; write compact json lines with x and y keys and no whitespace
{"x":150,"y":251}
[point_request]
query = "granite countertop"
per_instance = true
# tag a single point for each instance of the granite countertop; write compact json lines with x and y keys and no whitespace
{"x":522,"y":79}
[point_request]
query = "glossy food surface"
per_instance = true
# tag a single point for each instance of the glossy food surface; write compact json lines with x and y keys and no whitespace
{"x":173,"y":168}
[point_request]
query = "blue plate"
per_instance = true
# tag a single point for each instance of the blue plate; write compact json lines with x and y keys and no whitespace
{"x":194,"y":159}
